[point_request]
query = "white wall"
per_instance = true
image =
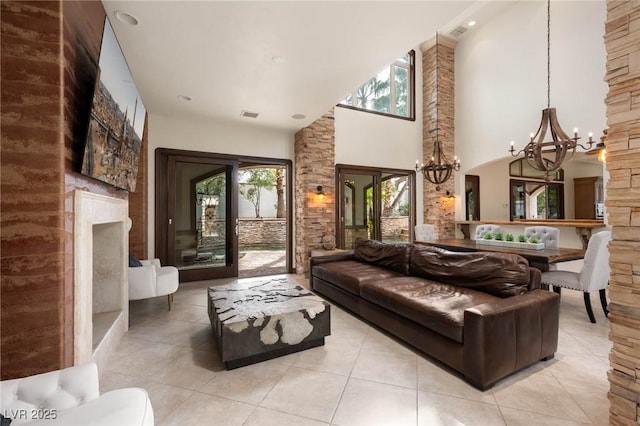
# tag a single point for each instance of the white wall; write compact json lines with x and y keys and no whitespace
{"x":268,"y":202}
{"x":501,"y":83}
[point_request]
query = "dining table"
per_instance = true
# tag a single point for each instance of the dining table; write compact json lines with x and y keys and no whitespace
{"x":540,"y":259}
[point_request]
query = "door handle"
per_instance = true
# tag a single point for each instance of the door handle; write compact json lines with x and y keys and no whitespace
{"x":170,"y":221}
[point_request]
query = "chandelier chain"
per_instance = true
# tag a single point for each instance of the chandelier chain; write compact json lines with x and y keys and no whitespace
{"x":548,"y":53}
{"x":549,"y":157}
{"x":437,"y":90}
{"x":438,"y":169}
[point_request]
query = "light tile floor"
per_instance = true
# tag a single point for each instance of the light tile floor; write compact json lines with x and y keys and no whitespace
{"x":361,"y":376}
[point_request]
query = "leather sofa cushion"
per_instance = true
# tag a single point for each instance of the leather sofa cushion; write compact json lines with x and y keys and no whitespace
{"x":350,"y":274}
{"x":437,"y":306}
{"x":500,"y":274}
{"x":392,"y":256}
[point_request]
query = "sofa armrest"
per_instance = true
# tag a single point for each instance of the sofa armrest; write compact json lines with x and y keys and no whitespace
{"x":55,"y":390}
{"x":122,"y":407}
{"x":319,"y":260}
{"x":505,"y":335}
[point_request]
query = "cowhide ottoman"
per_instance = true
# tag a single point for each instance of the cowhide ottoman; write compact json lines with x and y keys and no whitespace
{"x":263,"y":318}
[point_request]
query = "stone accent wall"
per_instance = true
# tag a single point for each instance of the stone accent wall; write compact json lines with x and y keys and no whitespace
{"x":622,"y":41}
{"x":265,"y":232}
{"x":314,"y":165}
{"x":393,"y":226}
{"x":438,"y":119}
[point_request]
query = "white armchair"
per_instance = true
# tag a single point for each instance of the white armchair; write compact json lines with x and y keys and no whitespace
{"x":72,"y":397}
{"x":153,"y":280}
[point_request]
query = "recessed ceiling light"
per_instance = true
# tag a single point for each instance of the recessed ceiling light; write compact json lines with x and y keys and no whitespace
{"x":298,"y":116}
{"x":184,"y":98}
{"x":277,"y":59}
{"x":126,"y":18}
{"x":471,"y":23}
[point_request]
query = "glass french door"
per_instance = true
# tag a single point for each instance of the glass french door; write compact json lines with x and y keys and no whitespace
{"x":359,"y":213}
{"x":202,"y":224}
{"x":377,"y":204}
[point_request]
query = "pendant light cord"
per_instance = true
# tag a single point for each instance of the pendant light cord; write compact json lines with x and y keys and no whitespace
{"x":548,"y":53}
{"x":437,"y":96}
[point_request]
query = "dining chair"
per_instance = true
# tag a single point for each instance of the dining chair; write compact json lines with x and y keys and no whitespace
{"x":594,"y":274}
{"x":481,"y":230}
{"x":425,"y":232}
{"x":548,"y":235}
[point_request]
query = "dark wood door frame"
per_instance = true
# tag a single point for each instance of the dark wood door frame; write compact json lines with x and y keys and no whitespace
{"x":163,"y":198}
{"x":342,"y":169}
{"x":474,"y":182}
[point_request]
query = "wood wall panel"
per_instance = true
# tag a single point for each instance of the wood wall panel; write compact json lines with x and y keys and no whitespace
{"x":32,"y":245}
{"x":49,"y":57}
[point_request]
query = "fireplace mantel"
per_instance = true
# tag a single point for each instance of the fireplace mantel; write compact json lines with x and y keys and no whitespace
{"x":101,"y":303}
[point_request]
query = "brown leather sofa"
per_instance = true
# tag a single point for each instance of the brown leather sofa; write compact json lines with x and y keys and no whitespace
{"x":483,"y":314}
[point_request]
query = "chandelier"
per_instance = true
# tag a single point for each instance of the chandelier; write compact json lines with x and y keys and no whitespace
{"x":438,"y":170}
{"x":550,"y":156}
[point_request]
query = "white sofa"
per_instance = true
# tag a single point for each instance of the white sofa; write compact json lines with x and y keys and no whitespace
{"x":72,"y":397}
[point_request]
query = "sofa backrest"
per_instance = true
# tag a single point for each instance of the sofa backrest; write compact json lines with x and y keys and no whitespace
{"x":392,"y":256}
{"x":500,"y":274}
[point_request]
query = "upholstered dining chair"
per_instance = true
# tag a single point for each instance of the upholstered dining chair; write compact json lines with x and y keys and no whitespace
{"x":593,"y":276}
{"x":548,"y":235}
{"x":151,"y":279}
{"x":425,"y":232}
{"x":481,"y":230}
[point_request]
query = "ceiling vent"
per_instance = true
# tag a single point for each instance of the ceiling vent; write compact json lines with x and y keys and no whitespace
{"x":457,"y":32}
{"x":249,"y":114}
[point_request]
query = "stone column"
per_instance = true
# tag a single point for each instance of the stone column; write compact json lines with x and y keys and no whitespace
{"x":622,"y":41}
{"x":314,"y":166}
{"x":438,"y":99}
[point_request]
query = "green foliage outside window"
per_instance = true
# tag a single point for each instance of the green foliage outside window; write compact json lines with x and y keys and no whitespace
{"x":389,"y":92}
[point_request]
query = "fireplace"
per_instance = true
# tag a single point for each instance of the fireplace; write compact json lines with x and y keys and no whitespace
{"x":101,"y":302}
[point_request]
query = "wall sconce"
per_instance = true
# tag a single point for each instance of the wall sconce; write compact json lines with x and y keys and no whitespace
{"x":319,"y":193}
{"x":450,"y":195}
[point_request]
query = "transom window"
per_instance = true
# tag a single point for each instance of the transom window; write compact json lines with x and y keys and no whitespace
{"x":389,"y":92}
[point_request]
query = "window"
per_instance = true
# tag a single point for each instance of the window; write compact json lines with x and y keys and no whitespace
{"x":390,"y":92}
{"x":533,"y":197}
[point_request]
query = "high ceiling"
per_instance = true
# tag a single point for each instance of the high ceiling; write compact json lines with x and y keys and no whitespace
{"x":275,"y":58}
